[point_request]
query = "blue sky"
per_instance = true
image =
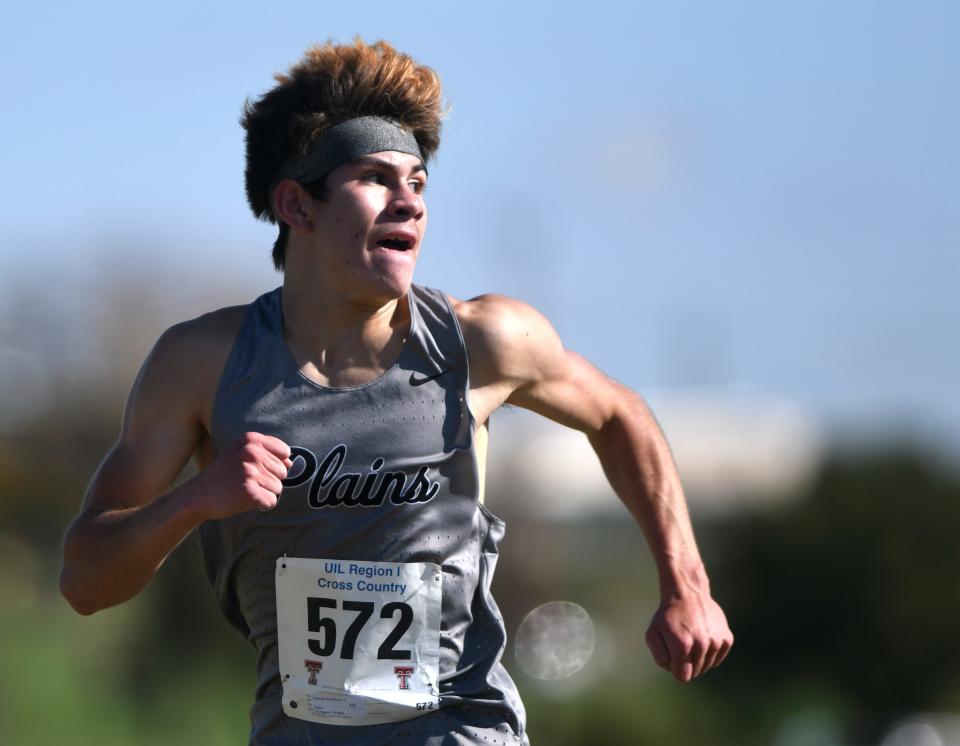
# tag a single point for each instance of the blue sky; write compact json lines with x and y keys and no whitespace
{"x":751,"y":198}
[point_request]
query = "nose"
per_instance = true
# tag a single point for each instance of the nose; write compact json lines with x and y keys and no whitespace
{"x":406,"y":204}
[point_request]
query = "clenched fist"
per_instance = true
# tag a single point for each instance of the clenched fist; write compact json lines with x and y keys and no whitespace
{"x":245,"y":477}
{"x":688,"y":636}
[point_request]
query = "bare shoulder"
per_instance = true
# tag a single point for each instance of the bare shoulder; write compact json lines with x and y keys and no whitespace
{"x":191,"y":354}
{"x":218,"y":328}
{"x":517,"y":357}
{"x":510,"y":337}
{"x":200,"y":346}
{"x":511,"y":347}
{"x":184,"y":366}
{"x":493,"y":312}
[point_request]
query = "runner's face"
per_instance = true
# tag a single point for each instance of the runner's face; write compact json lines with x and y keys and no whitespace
{"x":368,"y":230}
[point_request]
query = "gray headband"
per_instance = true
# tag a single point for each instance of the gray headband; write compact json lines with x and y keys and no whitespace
{"x":341,"y":144}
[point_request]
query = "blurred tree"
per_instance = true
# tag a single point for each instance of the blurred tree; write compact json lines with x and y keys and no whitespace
{"x":851,"y":592}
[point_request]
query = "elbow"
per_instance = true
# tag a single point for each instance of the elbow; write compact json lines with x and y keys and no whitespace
{"x":83,"y":609}
{"x":74,"y":586}
{"x":79,"y":601}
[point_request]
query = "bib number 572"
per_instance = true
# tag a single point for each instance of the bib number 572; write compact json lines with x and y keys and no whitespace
{"x":327,"y":627}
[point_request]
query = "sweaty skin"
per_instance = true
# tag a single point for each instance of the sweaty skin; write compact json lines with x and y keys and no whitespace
{"x":345,"y":322}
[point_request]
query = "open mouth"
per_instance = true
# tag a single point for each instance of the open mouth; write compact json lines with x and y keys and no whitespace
{"x":397,"y":243}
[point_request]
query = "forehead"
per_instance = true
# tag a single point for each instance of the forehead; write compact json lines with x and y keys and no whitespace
{"x":393,"y":159}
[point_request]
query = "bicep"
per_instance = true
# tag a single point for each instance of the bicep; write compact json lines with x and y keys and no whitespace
{"x":570,"y":390}
{"x":160,"y":431}
{"x":517,"y":355}
{"x":546,"y":378}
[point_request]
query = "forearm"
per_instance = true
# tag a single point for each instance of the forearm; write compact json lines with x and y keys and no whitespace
{"x":640,"y":468}
{"x":109,"y":556}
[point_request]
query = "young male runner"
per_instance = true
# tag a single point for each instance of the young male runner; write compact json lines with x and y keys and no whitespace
{"x":339,"y":423}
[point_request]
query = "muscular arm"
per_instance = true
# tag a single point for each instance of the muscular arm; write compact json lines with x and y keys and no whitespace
{"x":517,"y":357}
{"x":131,"y":520}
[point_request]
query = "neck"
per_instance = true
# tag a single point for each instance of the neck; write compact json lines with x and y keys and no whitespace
{"x":340,"y":339}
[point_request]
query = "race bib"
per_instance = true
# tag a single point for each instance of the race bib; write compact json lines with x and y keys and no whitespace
{"x":358,"y":642}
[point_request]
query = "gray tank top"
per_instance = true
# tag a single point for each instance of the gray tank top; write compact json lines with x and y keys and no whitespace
{"x":385,"y":471}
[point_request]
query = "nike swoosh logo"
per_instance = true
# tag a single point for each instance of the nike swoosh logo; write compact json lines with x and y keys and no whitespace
{"x":414,"y":381}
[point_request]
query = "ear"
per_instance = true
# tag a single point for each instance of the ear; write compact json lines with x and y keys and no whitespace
{"x":293,"y":205}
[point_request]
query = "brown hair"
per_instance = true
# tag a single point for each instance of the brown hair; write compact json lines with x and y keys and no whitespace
{"x":330,"y":84}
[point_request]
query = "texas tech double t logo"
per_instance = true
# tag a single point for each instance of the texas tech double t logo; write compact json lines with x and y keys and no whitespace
{"x":403,"y":673}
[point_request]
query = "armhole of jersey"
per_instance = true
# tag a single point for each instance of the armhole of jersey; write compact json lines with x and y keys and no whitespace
{"x":478,"y":440}
{"x":481,"y":437}
{"x":222,"y":382}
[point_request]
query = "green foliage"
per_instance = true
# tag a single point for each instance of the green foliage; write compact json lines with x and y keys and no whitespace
{"x":64,"y":680}
{"x":853,"y":588}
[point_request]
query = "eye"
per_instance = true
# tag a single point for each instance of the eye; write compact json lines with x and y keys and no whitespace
{"x":417,"y":185}
{"x":374,"y":177}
